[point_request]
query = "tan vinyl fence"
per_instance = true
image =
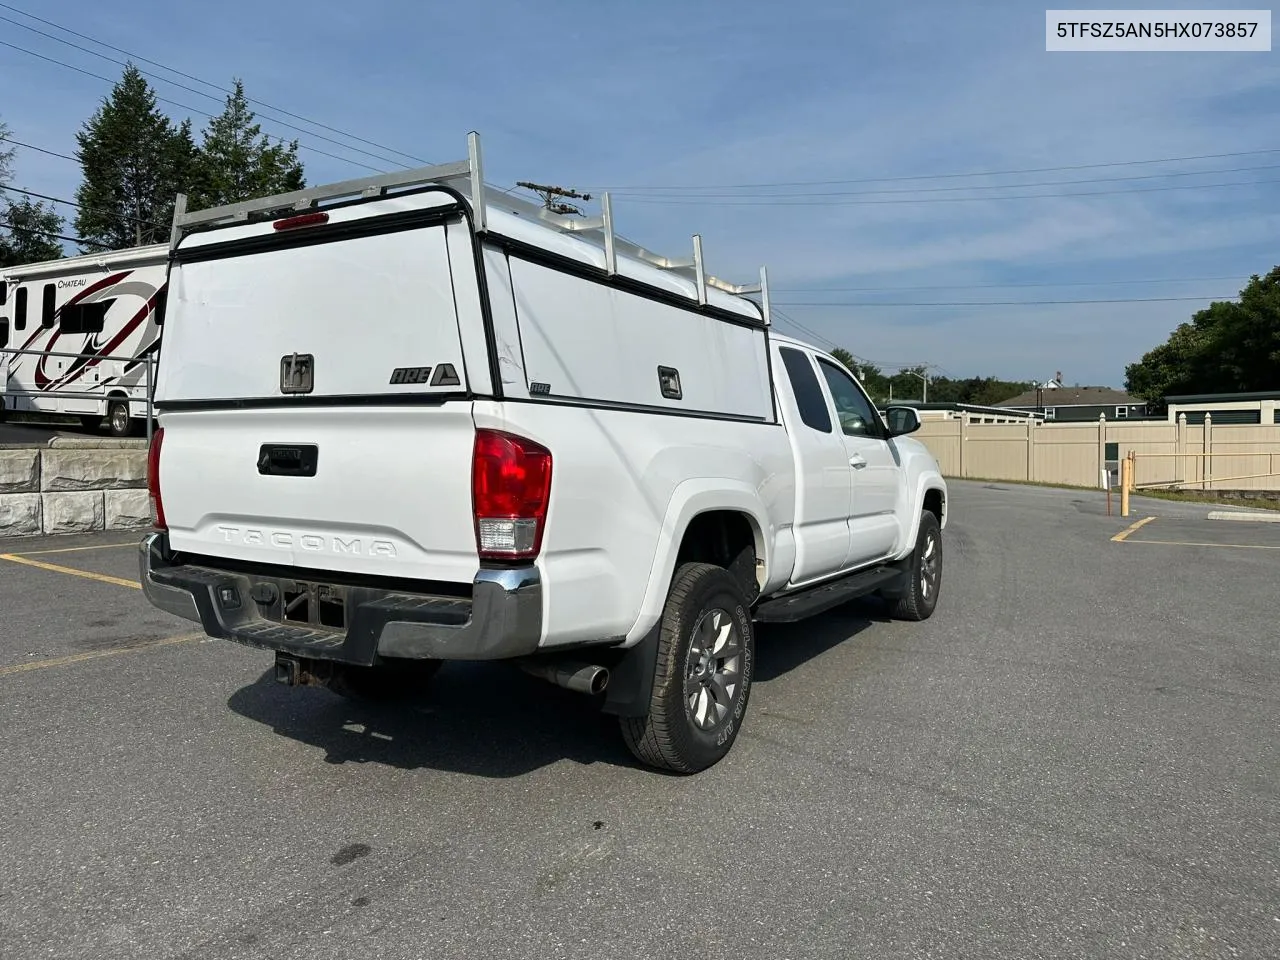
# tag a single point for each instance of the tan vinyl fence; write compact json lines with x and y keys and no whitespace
{"x":1224,"y":457}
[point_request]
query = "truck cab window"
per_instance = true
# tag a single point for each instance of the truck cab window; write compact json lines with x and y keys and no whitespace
{"x":50,"y":305}
{"x":858,"y":417}
{"x":804,"y":384}
{"x":20,"y":309}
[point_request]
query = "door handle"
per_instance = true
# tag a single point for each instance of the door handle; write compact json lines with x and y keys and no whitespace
{"x":857,"y":462}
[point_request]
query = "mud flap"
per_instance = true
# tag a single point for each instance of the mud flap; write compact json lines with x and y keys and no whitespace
{"x":631,"y":678}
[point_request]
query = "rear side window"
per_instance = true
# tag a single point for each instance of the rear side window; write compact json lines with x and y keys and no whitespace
{"x":50,"y":305}
{"x":4,"y":333}
{"x":20,"y":309}
{"x":804,"y":384}
{"x":4,"y":292}
{"x":84,"y":317}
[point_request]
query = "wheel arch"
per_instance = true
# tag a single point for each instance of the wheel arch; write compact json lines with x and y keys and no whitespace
{"x":699,"y":511}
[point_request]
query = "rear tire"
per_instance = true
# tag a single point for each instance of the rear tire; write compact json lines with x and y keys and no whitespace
{"x":702,"y":678}
{"x":395,"y":680}
{"x":923,"y":574}
{"x":118,"y":420}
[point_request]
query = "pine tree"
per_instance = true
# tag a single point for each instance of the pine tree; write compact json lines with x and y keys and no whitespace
{"x":29,"y":233}
{"x":238,"y":162}
{"x":135,"y":162}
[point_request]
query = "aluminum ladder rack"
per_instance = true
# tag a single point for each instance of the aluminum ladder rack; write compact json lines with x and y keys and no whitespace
{"x":468,"y":176}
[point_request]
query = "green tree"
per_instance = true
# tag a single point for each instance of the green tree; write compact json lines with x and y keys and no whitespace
{"x":1227,"y":347}
{"x":29,"y":233}
{"x":135,"y":161}
{"x":238,"y":161}
{"x":6,"y":156}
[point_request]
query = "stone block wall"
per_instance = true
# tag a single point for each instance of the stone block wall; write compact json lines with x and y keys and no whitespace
{"x":72,"y":485}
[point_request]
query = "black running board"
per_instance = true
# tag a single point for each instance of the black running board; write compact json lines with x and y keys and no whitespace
{"x":814,"y":600}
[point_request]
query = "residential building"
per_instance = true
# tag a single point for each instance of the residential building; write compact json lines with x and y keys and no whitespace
{"x":1258,"y":407}
{"x":1060,"y":403}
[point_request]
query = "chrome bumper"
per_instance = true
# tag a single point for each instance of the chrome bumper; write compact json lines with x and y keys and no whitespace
{"x":501,"y":619}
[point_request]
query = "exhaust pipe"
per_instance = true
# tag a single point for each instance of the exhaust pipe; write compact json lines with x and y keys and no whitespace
{"x":578,"y":677}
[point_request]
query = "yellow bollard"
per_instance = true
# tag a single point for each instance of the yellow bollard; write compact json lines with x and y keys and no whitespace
{"x":1126,"y":478}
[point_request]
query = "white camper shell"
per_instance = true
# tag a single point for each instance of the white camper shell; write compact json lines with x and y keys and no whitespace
{"x":405,"y":420}
{"x":78,"y":335}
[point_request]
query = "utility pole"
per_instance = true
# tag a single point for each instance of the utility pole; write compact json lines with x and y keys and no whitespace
{"x":925,"y":377}
{"x":551,"y":194}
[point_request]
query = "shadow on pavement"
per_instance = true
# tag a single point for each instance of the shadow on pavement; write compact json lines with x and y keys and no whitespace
{"x":491,"y":720}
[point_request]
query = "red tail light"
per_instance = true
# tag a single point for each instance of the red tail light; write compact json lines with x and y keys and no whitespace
{"x":153,"y":480}
{"x":510,"y":487}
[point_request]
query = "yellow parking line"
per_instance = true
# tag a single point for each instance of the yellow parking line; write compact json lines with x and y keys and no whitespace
{"x":1132,"y":528}
{"x":56,"y":568}
{"x":96,"y":546}
{"x":1230,"y":546}
{"x":96,"y":654}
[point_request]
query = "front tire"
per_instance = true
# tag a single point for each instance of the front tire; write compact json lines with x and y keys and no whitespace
{"x":702,"y":679}
{"x":923,"y":574}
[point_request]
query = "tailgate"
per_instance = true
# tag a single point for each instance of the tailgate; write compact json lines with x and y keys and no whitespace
{"x":314,"y":396}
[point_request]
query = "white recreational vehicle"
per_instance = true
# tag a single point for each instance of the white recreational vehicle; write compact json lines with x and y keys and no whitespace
{"x":76,"y":335}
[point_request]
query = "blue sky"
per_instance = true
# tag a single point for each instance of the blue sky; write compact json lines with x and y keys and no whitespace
{"x":702,"y":95}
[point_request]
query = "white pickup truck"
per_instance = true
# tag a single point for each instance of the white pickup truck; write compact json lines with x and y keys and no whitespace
{"x":402,"y":420}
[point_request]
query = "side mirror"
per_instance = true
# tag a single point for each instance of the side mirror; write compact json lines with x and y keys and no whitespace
{"x":901,"y":420}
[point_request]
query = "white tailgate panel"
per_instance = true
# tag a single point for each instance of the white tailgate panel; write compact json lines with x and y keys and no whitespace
{"x":589,"y":341}
{"x":391,"y":495}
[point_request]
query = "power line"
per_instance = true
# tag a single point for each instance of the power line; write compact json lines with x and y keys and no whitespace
{"x":773,"y":202}
{"x":52,"y":153}
{"x":183,"y":86}
{"x":97,"y":76}
{"x":154,"y":63}
{"x":1000,"y":286}
{"x":57,"y":236}
{"x":982,"y":303}
{"x":946,"y":176}
{"x":993,"y":186}
{"x":78,"y":206}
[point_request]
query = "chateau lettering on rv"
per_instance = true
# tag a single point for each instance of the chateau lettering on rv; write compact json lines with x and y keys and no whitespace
{"x":313,"y":542}
{"x":71,"y":284}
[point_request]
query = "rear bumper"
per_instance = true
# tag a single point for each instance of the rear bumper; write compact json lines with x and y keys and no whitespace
{"x":501,"y":619}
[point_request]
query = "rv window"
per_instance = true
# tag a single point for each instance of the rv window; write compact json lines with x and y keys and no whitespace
{"x":4,"y":292}
{"x":50,"y":305}
{"x":4,"y":333}
{"x":20,"y":309}
{"x":84,"y":317}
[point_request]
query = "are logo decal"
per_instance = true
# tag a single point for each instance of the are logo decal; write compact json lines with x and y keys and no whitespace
{"x":444,"y":375}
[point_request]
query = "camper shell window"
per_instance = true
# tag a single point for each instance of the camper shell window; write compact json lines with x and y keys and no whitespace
{"x":84,"y":317}
{"x":50,"y":305}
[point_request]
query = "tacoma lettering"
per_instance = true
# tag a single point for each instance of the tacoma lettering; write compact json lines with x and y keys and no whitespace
{"x":311,"y":542}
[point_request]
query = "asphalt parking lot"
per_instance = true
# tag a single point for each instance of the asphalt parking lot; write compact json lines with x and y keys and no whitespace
{"x":1076,"y":757}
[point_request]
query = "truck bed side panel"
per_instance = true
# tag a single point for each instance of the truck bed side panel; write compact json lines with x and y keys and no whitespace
{"x":588,"y":341}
